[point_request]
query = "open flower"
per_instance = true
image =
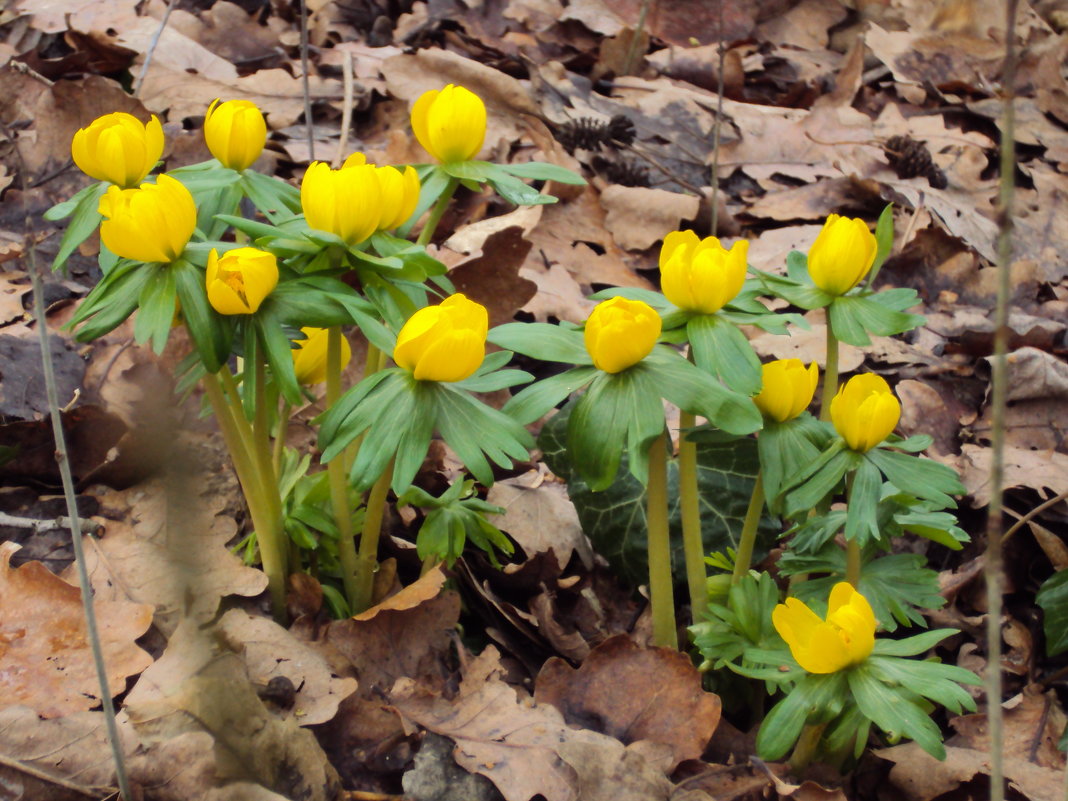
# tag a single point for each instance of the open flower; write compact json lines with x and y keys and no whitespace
{"x":345,"y":202}
{"x":700,"y":274}
{"x":450,"y":123}
{"x":118,"y":148}
{"x":844,"y":639}
{"x":309,"y":360}
{"x":788,"y":388}
{"x":620,"y":333}
{"x":446,"y":342}
{"x":842,"y":254}
{"x":240,"y":279}
{"x":152,"y":223}
{"x":235,"y":132}
{"x":399,"y":188}
{"x":865,"y":411}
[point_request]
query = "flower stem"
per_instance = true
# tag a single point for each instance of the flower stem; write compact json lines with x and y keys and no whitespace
{"x":372,"y":528}
{"x":689,"y":504}
{"x":830,"y":373}
{"x":437,"y":212}
{"x":806,"y":746}
{"x":338,"y":477}
{"x":280,"y":439}
{"x":261,"y":434}
{"x":661,"y":595}
{"x":853,"y":552}
{"x":251,"y":487}
{"x":744,"y":557}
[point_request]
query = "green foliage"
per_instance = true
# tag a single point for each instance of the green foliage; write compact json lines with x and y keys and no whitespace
{"x":614,"y":519}
{"x":1053,"y":598}
{"x":455,"y":517}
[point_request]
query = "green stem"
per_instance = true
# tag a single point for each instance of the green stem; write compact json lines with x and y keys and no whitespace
{"x":690,"y":508}
{"x":744,"y":557}
{"x":280,"y":439}
{"x":251,"y":487}
{"x":437,"y":212}
{"x":261,"y":435}
{"x":233,"y":395}
{"x":338,"y":477}
{"x":806,"y":746}
{"x":372,"y":528}
{"x":830,"y":372}
{"x":429,"y":564}
{"x":661,"y":595}
{"x":853,"y":552}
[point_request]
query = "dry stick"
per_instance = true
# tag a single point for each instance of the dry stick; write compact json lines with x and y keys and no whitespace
{"x":92,"y":632}
{"x":89,"y":792}
{"x":152,"y":47}
{"x":1022,"y":520}
{"x":304,"y":78}
{"x":632,"y":47}
{"x":40,"y":526}
{"x":714,"y":198}
{"x":992,"y":569}
{"x":346,"y":108}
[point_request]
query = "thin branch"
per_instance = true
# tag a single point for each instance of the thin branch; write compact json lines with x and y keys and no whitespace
{"x":152,"y":47}
{"x":1022,"y":520}
{"x":714,"y":200}
{"x":993,"y":567}
{"x":346,"y":108}
{"x":94,"y":792}
{"x":304,"y":79}
{"x":632,"y":46}
{"x":39,"y":526}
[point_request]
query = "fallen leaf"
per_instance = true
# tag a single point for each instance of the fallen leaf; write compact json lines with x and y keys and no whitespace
{"x":492,"y":278}
{"x":1043,"y":471}
{"x":664,"y":701}
{"x":540,"y":518}
{"x":423,"y":589}
{"x":639,"y":217}
{"x":46,"y":660}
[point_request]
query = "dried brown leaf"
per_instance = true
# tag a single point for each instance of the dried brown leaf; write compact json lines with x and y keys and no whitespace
{"x":540,"y":517}
{"x":640,"y":217}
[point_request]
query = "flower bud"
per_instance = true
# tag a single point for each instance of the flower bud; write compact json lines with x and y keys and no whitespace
{"x":788,"y":388}
{"x":446,"y":342}
{"x":345,"y":202}
{"x":620,"y":333}
{"x":309,"y":360}
{"x":700,"y":275}
{"x":240,"y":279}
{"x":152,"y":223}
{"x":844,"y":639}
{"x":399,"y":189}
{"x":450,"y":123}
{"x":865,"y":411}
{"x":841,"y":255}
{"x":235,"y":132}
{"x":118,"y":148}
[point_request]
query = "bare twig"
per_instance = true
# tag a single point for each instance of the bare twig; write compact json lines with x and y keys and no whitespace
{"x":88,"y":791}
{"x":346,"y":108}
{"x":993,"y":567}
{"x":639,"y":29}
{"x":152,"y":47}
{"x":1022,"y":520}
{"x":714,"y":200}
{"x":38,"y":526}
{"x":304,"y":79}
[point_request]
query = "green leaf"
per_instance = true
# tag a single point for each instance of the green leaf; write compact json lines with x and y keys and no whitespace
{"x":893,"y":712}
{"x":597,"y":429}
{"x":786,"y":449}
{"x":536,"y":400}
{"x":823,"y":476}
{"x":352,"y":413}
{"x":515,"y":191}
{"x":884,"y":238}
{"x":211,"y":333}
{"x":471,"y":170}
{"x":805,"y":295}
{"x":815,"y":697}
{"x":1053,"y":598}
{"x":111,"y":301}
{"x":552,"y":343}
{"x":720,"y":348}
{"x":614,"y":518}
{"x":472,"y":429}
{"x":156,"y":305}
{"x":694,"y":391}
{"x":274,"y":197}
{"x":911,"y":646}
{"x":854,"y":317}
{"x":85,"y":220}
{"x":415,"y":439}
{"x":384,"y":416}
{"x":918,"y":476}
{"x":862,"y":522}
{"x":539,"y":170}
{"x":278,"y":351}
{"x":928,"y":679}
{"x":433,"y":184}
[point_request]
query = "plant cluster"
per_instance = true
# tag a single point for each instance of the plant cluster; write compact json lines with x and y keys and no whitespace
{"x":265,"y":301}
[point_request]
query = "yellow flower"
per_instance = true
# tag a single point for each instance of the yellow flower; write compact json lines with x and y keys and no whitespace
{"x":788,"y":388}
{"x":450,"y":123}
{"x":152,"y":223}
{"x":865,"y":411}
{"x":235,"y":132}
{"x":399,"y":188}
{"x":240,"y":279}
{"x":620,"y":333}
{"x":309,"y":360}
{"x":446,"y":342}
{"x":118,"y":148}
{"x":346,"y":202}
{"x":844,"y":639}
{"x":841,"y":255}
{"x":700,"y":274}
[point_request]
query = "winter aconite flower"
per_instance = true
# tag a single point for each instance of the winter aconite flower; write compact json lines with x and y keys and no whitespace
{"x":842,"y":254}
{"x":345,"y":202}
{"x":235,"y":132}
{"x":240,"y":279}
{"x":865,"y":411}
{"x":152,"y":223}
{"x":399,"y":189}
{"x":450,"y":123}
{"x":788,"y":388}
{"x":620,"y":333}
{"x":700,"y":275}
{"x":118,"y":148}
{"x":446,"y":342}
{"x":309,"y":360}
{"x":844,"y":639}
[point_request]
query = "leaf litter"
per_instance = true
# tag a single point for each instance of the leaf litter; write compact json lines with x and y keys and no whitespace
{"x":814,"y":92}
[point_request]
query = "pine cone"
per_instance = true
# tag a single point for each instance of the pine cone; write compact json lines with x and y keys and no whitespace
{"x":910,"y":158}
